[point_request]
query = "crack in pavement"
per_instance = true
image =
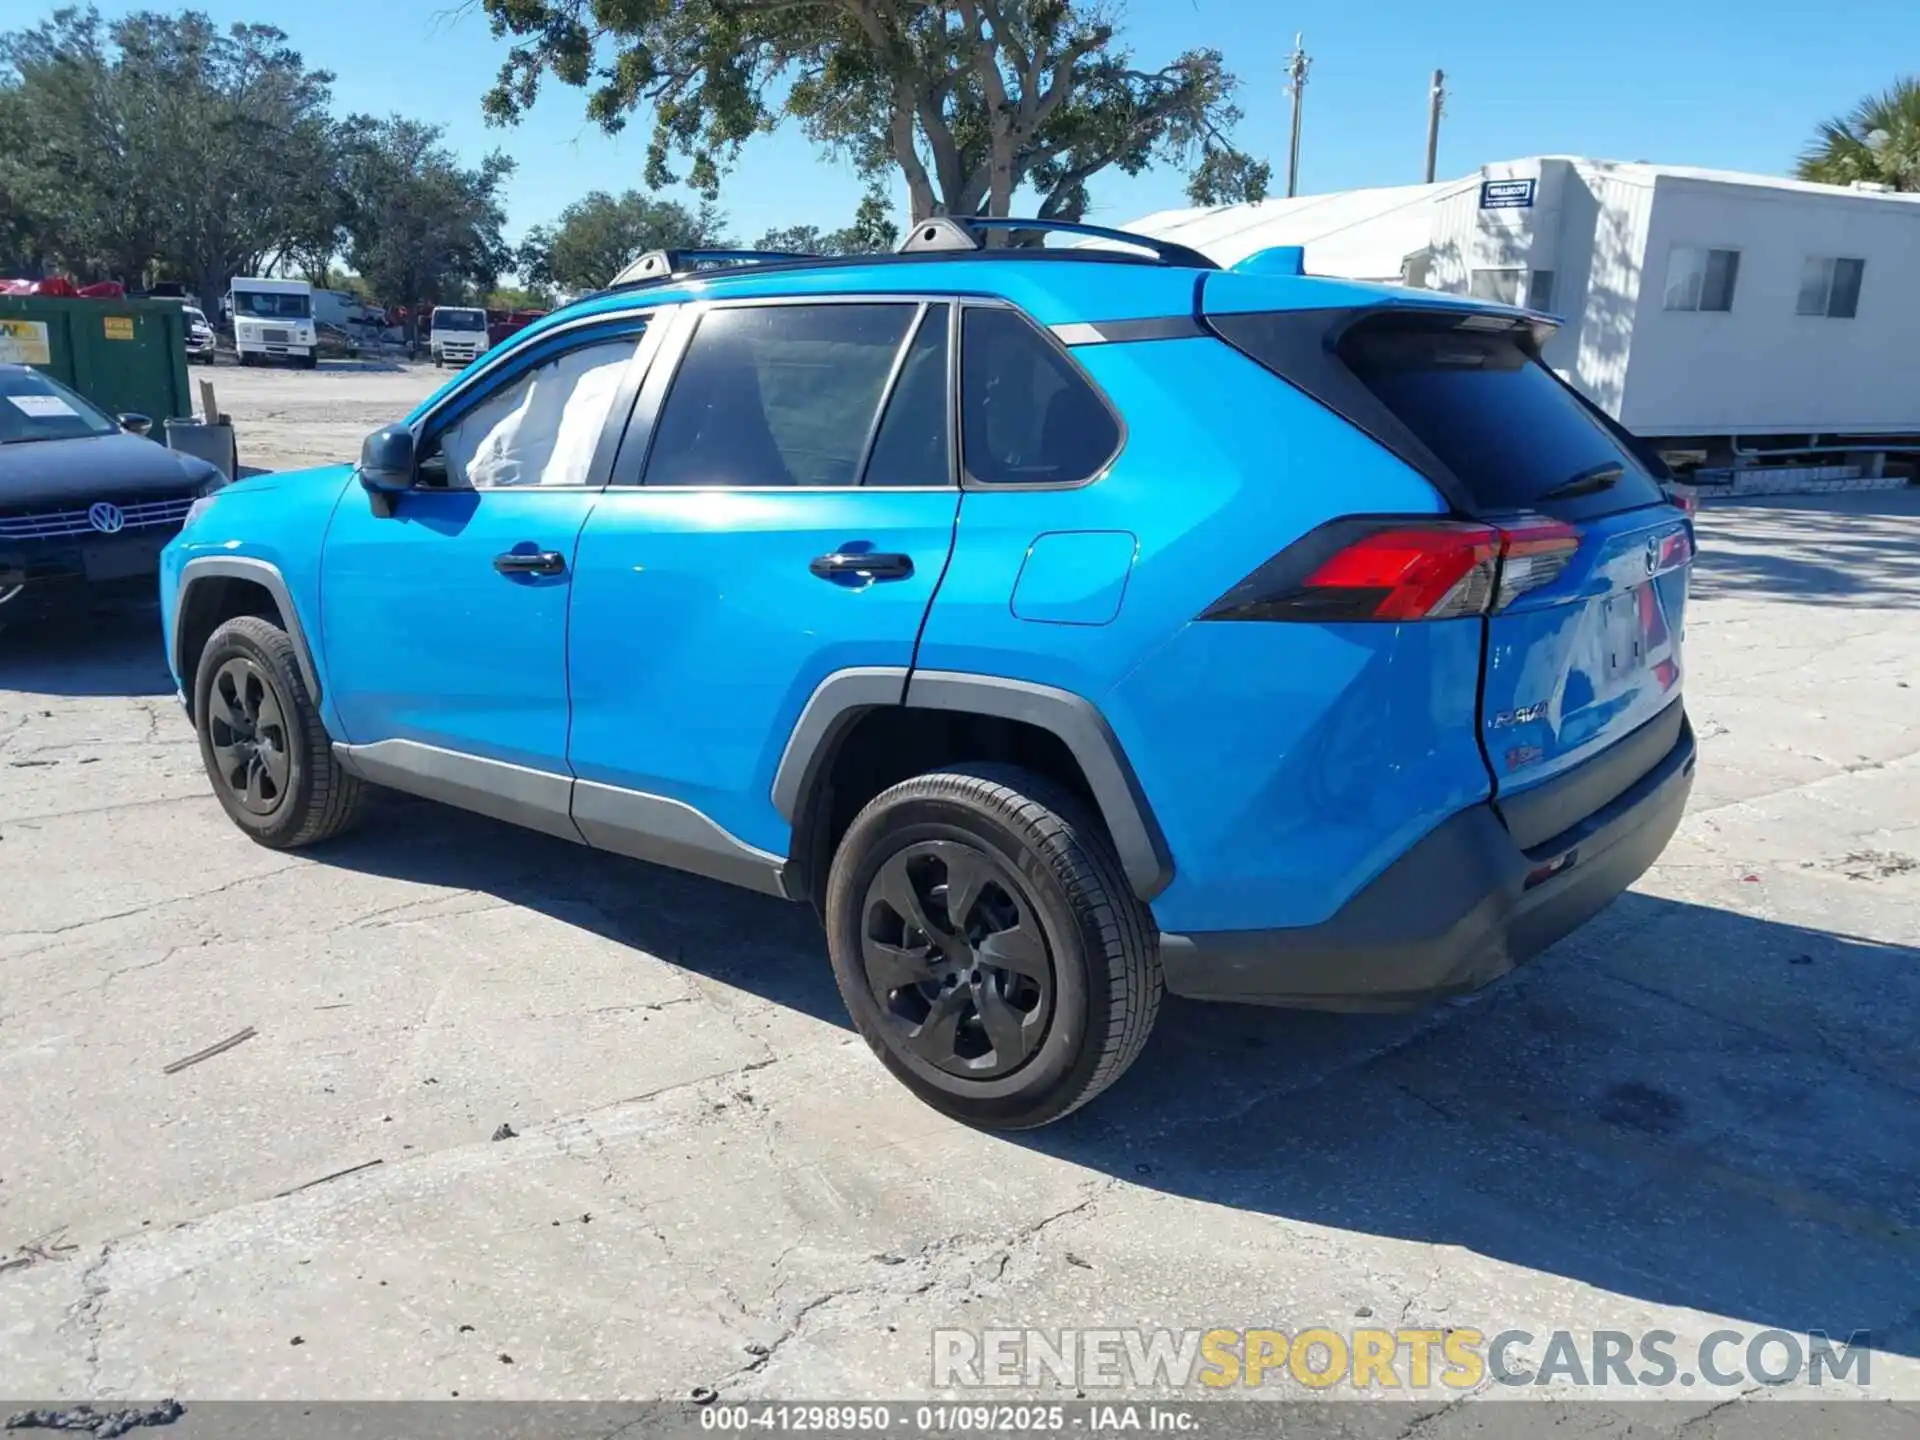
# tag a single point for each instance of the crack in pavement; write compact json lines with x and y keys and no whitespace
{"x":151,"y":905}
{"x":1840,"y":772}
{"x":84,"y":1314}
{"x":953,"y":1261}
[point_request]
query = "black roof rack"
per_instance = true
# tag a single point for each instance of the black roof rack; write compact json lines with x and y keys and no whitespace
{"x":957,"y":233}
{"x":674,"y":264}
{"x":930,"y":239}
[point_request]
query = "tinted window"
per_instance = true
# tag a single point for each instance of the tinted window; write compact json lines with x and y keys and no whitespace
{"x":1027,"y":416}
{"x":778,"y":395}
{"x":541,"y":427}
{"x":912,"y":447}
{"x":1497,"y":418}
{"x":32,"y":407}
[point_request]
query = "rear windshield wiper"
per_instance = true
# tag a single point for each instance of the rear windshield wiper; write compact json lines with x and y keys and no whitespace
{"x":1587,"y":482}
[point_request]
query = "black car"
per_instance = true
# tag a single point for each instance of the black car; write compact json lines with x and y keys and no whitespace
{"x":86,"y":501}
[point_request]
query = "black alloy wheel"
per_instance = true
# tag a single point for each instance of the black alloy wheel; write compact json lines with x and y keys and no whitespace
{"x":247,"y":729}
{"x":956,"y":960}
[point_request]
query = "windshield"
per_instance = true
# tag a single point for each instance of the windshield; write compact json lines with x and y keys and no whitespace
{"x":194,"y":317}
{"x":32,"y":407}
{"x":264,"y":306}
{"x":459,"y":319}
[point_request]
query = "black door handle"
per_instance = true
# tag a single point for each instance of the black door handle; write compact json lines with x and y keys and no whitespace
{"x":878,"y":565}
{"x":537,"y":562}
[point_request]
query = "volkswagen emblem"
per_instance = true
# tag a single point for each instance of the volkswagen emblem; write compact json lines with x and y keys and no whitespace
{"x":105,"y":518}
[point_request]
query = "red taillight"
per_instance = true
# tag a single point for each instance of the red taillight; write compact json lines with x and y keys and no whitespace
{"x":1429,"y":572}
{"x":1369,"y":568}
{"x":1676,"y":550}
{"x":1532,"y":554}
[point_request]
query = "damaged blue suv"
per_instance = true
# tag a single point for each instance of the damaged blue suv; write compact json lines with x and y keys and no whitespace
{"x":1067,"y":625}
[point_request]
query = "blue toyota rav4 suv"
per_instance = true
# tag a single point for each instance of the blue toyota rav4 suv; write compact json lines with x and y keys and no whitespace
{"x":1066,"y":625}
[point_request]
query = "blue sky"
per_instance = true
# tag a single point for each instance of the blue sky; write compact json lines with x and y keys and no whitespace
{"x":1735,"y":84}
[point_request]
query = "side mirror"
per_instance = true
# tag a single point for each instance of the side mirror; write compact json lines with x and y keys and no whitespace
{"x":135,"y":423}
{"x":387,"y":466}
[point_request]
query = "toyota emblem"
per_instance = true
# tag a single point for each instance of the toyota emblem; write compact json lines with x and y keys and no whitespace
{"x":105,"y":517}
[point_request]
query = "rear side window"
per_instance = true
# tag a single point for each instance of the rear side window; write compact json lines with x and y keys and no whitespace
{"x":913,"y":446}
{"x":1027,"y":414}
{"x":777,"y":395}
{"x":1512,"y":433}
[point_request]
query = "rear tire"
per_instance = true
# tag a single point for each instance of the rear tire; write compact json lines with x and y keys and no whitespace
{"x":267,"y":755}
{"x":1043,"y":990}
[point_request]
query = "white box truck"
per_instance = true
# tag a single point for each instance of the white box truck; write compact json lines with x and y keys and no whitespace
{"x":272,"y":320}
{"x":457,"y":334}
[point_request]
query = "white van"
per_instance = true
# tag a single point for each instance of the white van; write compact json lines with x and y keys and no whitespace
{"x":272,"y":320}
{"x":457,"y":334}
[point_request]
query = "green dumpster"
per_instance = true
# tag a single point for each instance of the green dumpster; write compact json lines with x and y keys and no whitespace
{"x":121,"y":354}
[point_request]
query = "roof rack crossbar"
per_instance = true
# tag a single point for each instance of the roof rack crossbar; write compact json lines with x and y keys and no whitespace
{"x":673,"y":264}
{"x":965,"y":232}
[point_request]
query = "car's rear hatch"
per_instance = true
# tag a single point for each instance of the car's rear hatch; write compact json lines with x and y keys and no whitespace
{"x":1581,"y":671}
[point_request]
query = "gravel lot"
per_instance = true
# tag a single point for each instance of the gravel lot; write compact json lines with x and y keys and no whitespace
{"x":1700,"y":1110}
{"x":288,"y":419}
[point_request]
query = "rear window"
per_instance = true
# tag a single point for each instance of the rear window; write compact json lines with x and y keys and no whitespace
{"x":1516,"y":437}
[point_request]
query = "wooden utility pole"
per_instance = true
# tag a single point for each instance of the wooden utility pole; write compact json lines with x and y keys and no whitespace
{"x":1297,"y":64}
{"x":1436,"y":102}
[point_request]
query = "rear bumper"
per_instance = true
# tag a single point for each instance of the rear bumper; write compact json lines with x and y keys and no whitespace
{"x":1459,"y":909}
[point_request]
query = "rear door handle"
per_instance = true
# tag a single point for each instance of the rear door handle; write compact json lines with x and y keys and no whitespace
{"x":537,"y":562}
{"x":880,"y":565}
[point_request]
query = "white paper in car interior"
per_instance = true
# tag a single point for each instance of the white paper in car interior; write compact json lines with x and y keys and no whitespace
{"x":542,"y":430}
{"x":42,"y":407}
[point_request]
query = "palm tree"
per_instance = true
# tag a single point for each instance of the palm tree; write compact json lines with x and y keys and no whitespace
{"x":1879,"y":142}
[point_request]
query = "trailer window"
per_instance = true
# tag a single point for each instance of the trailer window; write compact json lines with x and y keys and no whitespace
{"x":1830,"y":286}
{"x":1699,"y":279}
{"x":1500,"y":286}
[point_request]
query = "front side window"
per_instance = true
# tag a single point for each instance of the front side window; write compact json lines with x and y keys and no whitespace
{"x":1701,"y":279}
{"x":539,"y":428}
{"x":778,"y":395}
{"x":1027,"y":414}
{"x":1830,"y":286}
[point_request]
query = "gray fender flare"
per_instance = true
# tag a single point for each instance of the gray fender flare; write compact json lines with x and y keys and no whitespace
{"x":259,"y":572}
{"x":843,"y":697}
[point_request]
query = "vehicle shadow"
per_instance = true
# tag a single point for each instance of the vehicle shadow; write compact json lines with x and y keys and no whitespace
{"x":1680,"y":1104}
{"x":111,"y":649}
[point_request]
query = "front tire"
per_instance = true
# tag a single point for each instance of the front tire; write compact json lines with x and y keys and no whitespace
{"x":261,"y":740}
{"x":988,"y":947}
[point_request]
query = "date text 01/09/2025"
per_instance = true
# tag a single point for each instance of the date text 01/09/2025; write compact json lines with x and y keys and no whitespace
{"x":854,"y":1418}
